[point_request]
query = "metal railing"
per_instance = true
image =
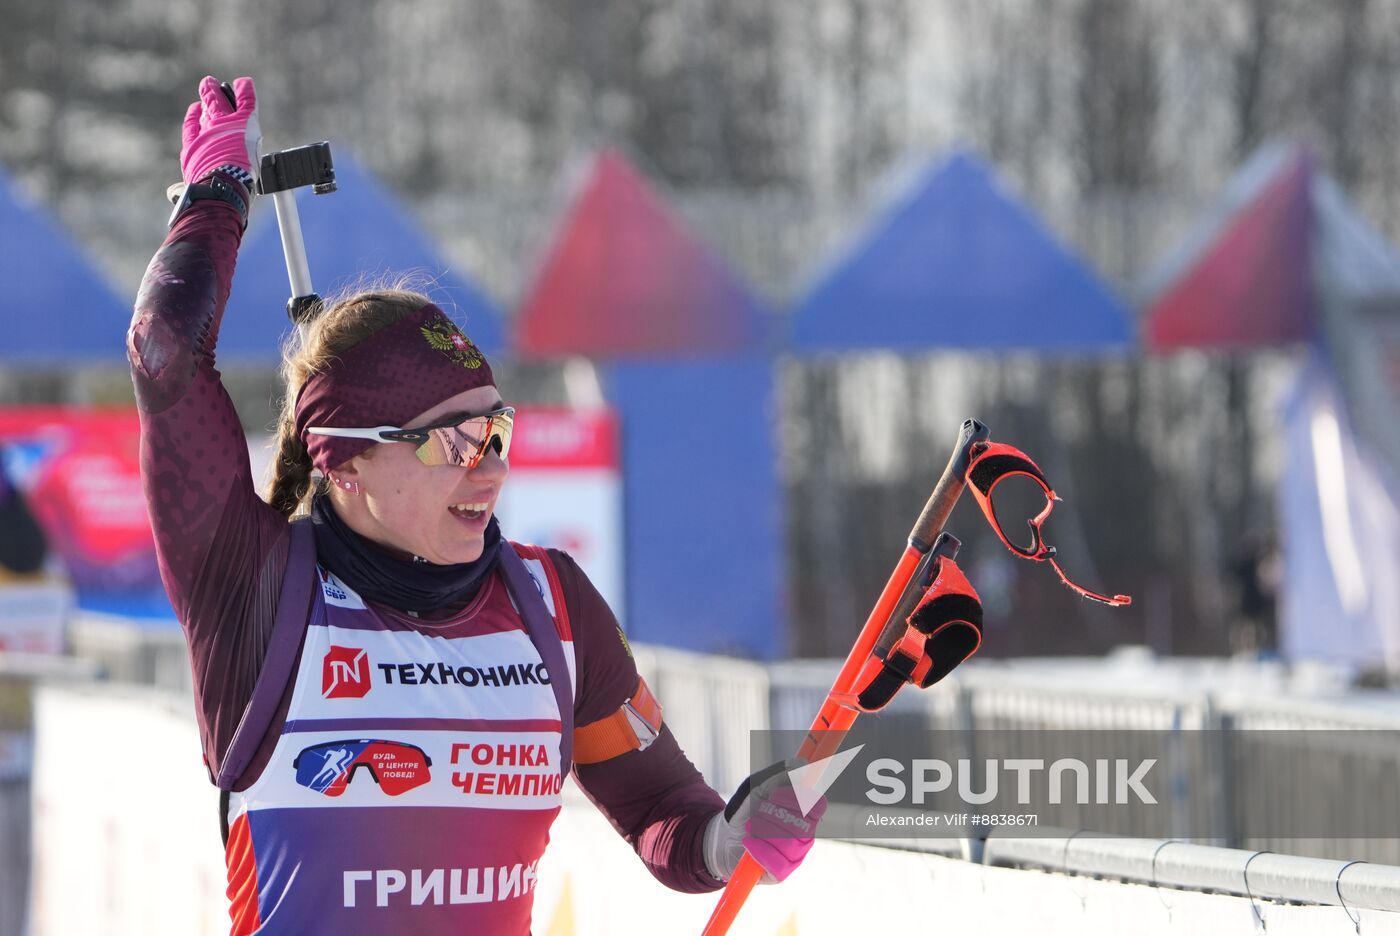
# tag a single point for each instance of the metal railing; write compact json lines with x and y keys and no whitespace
{"x":1258,"y":875}
{"x":712,"y":703}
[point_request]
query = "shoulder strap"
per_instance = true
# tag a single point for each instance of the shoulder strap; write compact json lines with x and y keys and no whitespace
{"x":293,"y":607}
{"x":545,"y":636}
{"x":560,"y":607}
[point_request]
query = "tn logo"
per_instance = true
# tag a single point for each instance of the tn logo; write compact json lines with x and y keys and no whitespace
{"x":345,"y":673}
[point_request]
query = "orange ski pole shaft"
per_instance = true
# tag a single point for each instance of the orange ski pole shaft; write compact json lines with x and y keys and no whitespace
{"x":837,"y":714}
{"x":831,"y":722}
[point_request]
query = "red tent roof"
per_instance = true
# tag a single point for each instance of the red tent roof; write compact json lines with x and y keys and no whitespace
{"x":1245,"y":279}
{"x":625,"y":279}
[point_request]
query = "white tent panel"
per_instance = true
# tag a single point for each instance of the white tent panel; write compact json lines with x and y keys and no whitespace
{"x":1341,"y":535}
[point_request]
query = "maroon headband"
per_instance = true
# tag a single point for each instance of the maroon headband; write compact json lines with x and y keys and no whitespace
{"x":393,"y":376}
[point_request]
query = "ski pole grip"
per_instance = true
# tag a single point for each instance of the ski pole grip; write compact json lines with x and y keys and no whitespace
{"x":928,"y":537}
{"x":949,"y":488}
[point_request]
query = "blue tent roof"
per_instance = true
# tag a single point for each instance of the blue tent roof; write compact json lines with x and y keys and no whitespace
{"x":57,"y":309}
{"x":959,"y":263}
{"x":357,"y":233}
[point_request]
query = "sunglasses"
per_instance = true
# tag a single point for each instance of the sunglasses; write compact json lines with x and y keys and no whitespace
{"x":460,"y":439}
{"x":992,"y":464}
{"x":395,"y":766}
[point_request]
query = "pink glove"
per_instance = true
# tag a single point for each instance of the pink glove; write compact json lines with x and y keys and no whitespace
{"x":217,"y":133}
{"x":778,"y":835}
{"x":768,"y":824}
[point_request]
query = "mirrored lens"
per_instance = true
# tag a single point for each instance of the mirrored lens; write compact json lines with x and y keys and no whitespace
{"x":466,"y":443}
{"x":1016,"y":500}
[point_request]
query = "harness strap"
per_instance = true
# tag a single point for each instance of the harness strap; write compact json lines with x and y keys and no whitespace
{"x":556,"y":587}
{"x":544,"y":634}
{"x":288,"y":628}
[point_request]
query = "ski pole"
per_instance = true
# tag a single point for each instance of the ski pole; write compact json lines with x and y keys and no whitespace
{"x":280,"y":175}
{"x":837,"y":713}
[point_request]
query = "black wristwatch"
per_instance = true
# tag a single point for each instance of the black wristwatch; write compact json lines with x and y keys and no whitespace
{"x":216,"y":186}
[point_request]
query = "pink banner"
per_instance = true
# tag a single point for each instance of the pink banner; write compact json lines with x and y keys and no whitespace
{"x":556,"y":437}
{"x":80,"y":471}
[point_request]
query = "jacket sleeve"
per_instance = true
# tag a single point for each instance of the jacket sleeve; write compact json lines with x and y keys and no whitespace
{"x":220,"y":548}
{"x":655,"y":798}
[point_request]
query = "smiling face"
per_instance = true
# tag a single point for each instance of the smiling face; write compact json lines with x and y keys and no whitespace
{"x":437,"y":512}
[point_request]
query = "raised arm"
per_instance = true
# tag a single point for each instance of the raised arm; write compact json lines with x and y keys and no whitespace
{"x":221,"y":549}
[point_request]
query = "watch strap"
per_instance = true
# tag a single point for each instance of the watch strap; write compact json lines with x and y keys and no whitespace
{"x":230,"y":184}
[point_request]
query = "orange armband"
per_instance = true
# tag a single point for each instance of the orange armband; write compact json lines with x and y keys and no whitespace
{"x":633,"y":727}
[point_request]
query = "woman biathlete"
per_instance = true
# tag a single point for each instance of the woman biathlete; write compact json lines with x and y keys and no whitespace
{"x":389,"y":691}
